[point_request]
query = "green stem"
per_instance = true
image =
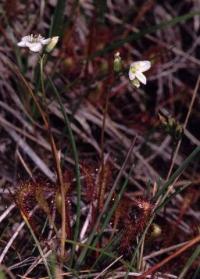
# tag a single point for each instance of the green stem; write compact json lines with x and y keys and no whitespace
{"x":77,"y":170}
{"x":57,"y":162}
{"x":102,"y":186}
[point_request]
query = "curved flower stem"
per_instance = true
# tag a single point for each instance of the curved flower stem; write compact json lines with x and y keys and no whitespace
{"x":102,"y":185}
{"x":42,"y":58}
{"x":77,"y":170}
{"x":56,"y":158}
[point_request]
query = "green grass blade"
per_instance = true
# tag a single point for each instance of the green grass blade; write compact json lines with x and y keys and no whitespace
{"x":136,"y":36}
{"x":99,"y":250}
{"x":190,"y":261}
{"x":101,"y":7}
{"x":138,"y":246}
{"x":111,"y":211}
{"x":189,"y":159}
{"x":169,"y":198}
{"x":39,"y":248}
{"x":182,"y":167}
{"x":2,"y":274}
{"x":94,"y":231}
{"x":58,"y":19}
{"x":196,"y":274}
{"x":52,"y":265}
{"x":107,"y":219}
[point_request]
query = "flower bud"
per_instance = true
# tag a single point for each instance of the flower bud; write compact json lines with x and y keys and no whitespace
{"x":156,"y":230}
{"x":171,"y":125}
{"x":51,"y":45}
{"x":117,"y":62}
{"x":59,"y":202}
{"x":135,"y":83}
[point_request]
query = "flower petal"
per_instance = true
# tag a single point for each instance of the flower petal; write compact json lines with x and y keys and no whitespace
{"x":141,"y":77}
{"x":45,"y":41}
{"x":22,"y":44}
{"x":141,"y":66}
{"x":35,"y":47}
{"x":26,"y":38}
{"x":144,"y":65}
{"x":131,"y":75}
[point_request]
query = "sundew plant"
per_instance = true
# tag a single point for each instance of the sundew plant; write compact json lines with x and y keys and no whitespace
{"x":99,"y":145}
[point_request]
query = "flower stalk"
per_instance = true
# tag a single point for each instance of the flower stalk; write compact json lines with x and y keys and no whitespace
{"x":57,"y":163}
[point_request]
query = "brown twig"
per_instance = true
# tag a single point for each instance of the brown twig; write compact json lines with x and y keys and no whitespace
{"x":171,"y":257}
{"x":184,"y":127}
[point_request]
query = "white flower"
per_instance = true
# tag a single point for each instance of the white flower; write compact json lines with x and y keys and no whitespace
{"x":34,"y":42}
{"x":136,"y":72}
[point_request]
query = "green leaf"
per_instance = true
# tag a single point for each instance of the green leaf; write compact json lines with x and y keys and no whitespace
{"x":136,"y":36}
{"x":189,"y":262}
{"x":101,"y":7}
{"x":177,"y":173}
{"x":2,"y":274}
{"x":58,"y":19}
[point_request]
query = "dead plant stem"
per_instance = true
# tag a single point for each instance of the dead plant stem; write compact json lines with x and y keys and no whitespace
{"x":184,"y":127}
{"x":169,"y":258}
{"x":160,"y":200}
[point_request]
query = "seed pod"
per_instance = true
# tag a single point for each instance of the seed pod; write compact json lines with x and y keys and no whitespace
{"x":117,"y":62}
{"x":156,"y":230}
{"x":59,"y":202}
